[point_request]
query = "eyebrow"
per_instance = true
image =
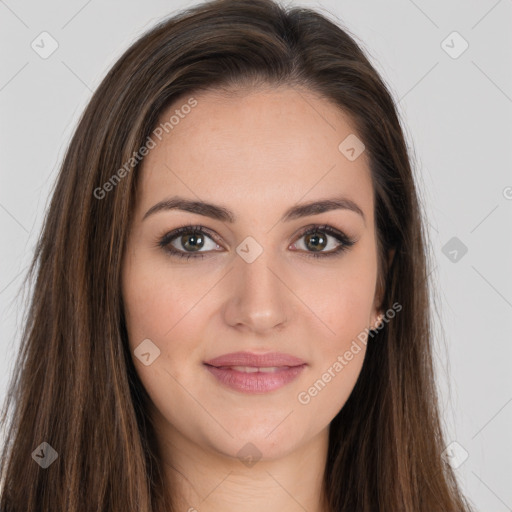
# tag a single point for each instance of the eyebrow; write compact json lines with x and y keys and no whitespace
{"x":223,"y":214}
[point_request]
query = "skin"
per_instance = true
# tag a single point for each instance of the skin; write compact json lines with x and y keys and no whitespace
{"x":256,"y":152}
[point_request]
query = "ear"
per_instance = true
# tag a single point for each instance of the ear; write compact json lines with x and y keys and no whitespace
{"x":377,"y":310}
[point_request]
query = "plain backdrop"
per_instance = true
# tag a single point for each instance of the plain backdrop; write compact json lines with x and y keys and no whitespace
{"x":448,"y":66}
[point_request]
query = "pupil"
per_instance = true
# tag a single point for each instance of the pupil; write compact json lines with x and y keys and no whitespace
{"x":192,"y":242}
{"x":317,"y":240}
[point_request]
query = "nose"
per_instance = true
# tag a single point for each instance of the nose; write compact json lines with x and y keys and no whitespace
{"x":258,"y":298}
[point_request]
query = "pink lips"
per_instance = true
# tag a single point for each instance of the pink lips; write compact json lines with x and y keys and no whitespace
{"x":238,"y":370}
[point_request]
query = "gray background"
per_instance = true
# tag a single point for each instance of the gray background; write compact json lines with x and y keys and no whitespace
{"x":456,"y":114}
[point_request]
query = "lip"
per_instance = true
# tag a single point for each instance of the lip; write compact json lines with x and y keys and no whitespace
{"x":255,"y":360}
{"x":286,"y":369}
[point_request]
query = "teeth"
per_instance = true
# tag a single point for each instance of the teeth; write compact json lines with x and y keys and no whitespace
{"x":253,"y":369}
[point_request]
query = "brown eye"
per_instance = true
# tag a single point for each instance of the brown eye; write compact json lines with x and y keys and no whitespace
{"x":192,"y":242}
{"x":316,"y":240}
{"x":187,"y":242}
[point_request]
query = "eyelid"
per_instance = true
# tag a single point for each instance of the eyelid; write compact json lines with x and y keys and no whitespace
{"x":345,"y":241}
{"x":320,"y":227}
{"x":165,"y":240}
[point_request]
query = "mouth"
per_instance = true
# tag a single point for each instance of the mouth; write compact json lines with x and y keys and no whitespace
{"x":254,"y":369}
{"x":255,"y":373}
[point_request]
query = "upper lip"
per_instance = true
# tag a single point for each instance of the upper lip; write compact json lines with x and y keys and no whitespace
{"x":255,"y":360}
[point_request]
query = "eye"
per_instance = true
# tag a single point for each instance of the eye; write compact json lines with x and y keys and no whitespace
{"x":316,"y":239}
{"x":188,"y":241}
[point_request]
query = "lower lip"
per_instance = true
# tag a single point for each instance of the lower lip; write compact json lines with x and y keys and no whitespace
{"x":256,"y":382}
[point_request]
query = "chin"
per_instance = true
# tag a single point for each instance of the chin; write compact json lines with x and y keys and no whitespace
{"x":259,"y":439}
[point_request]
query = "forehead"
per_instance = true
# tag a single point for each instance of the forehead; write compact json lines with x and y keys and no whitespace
{"x":267,"y":144}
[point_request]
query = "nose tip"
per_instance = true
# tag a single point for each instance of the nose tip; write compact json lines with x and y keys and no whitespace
{"x":257,"y":298}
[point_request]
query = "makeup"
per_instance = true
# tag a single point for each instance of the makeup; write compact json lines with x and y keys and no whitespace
{"x":255,"y":373}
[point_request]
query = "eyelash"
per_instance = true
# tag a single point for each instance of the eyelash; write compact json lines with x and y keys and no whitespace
{"x":165,"y":241}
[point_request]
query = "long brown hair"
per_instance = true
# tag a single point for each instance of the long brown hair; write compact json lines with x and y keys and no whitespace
{"x":75,"y":386}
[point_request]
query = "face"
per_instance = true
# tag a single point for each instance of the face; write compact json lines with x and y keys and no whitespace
{"x":249,"y":276}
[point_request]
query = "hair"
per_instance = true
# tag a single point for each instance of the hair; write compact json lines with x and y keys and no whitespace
{"x":75,"y":386}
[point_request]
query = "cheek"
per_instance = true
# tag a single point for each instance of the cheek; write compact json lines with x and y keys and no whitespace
{"x":330,"y":385}
{"x":342,"y":302}
{"x":162,"y":308}
{"x":338,"y":352}
{"x":156,"y":300}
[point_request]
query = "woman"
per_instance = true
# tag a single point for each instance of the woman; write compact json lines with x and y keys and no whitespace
{"x":231,"y":300}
